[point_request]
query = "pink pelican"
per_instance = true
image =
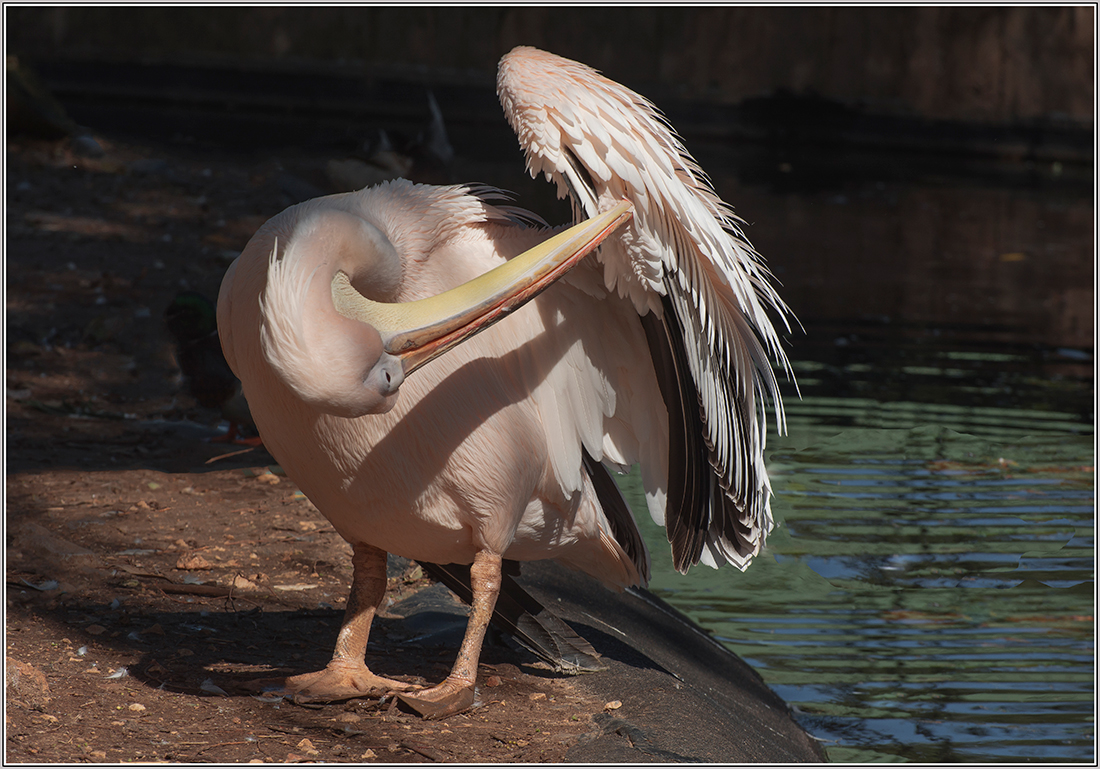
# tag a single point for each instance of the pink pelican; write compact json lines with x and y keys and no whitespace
{"x":657,"y":353}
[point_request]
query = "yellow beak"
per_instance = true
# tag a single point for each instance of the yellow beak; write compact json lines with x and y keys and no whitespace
{"x":421,"y":330}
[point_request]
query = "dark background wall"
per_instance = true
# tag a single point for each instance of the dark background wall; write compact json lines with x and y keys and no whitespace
{"x":942,"y":157}
{"x":977,"y":64}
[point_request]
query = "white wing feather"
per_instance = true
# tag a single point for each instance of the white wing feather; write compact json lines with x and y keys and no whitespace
{"x":600,"y":142}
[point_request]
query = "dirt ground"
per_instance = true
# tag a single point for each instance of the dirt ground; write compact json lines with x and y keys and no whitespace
{"x":150,"y":572}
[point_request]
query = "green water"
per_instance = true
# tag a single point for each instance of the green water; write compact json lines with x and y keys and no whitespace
{"x":928,"y":593}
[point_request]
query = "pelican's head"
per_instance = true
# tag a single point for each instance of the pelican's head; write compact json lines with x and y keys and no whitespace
{"x":326,"y":331}
{"x":334,"y":363}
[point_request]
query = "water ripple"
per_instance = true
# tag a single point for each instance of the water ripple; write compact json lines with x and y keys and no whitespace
{"x":927,"y":596}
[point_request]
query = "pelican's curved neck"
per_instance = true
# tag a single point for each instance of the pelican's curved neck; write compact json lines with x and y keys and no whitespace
{"x":333,"y":363}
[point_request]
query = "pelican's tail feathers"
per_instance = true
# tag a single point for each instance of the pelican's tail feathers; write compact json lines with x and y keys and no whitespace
{"x":617,"y":512}
{"x":525,"y":619}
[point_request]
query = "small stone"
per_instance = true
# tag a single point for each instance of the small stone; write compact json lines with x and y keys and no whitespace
{"x":538,"y":696}
{"x":613,"y":705}
{"x":307,"y":746}
{"x":368,"y":755}
{"x":193,"y":562}
{"x":349,"y":718}
{"x":493,"y":681}
{"x":136,"y":707}
{"x":240,"y":583}
{"x":95,"y":629}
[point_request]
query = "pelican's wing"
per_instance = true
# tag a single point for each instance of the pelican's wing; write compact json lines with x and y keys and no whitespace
{"x":685,"y":260}
{"x":597,"y":405}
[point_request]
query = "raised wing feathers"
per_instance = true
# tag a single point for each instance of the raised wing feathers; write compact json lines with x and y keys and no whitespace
{"x":600,"y":142}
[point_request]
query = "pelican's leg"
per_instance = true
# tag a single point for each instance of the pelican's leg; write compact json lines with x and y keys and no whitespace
{"x":456,"y":693}
{"x":347,"y":675}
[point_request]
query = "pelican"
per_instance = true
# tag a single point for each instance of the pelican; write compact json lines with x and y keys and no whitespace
{"x":658,"y":352}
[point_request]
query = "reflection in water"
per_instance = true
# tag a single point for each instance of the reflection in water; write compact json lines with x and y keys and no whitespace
{"x":998,"y":264}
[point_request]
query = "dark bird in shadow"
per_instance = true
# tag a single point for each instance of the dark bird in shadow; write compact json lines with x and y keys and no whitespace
{"x":193,"y":323}
{"x":425,"y":158}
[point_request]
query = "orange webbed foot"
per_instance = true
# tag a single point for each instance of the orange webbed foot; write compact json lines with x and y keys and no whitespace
{"x":336,"y":682}
{"x":447,"y":699}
